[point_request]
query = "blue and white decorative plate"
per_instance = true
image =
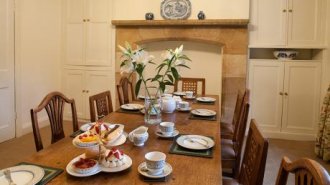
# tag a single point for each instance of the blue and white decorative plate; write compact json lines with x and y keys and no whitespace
{"x":175,"y":9}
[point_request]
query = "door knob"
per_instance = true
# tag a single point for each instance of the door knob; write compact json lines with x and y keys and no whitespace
{"x":83,"y":91}
{"x":284,"y":10}
{"x":281,"y":93}
{"x":290,"y":10}
{"x":87,"y":91}
{"x":286,"y":94}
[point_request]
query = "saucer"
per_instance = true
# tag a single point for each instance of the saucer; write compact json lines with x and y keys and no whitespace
{"x":174,"y":133}
{"x":144,"y":171}
{"x":189,"y":98}
{"x":183,"y":110}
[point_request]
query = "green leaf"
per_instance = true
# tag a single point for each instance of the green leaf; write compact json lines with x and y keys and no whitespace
{"x":160,"y":65}
{"x":137,"y":87}
{"x":175,"y":73}
{"x":168,"y":83}
{"x":156,"y":78}
{"x":170,"y":78}
{"x":184,"y":57}
{"x":162,"y":86}
{"x":152,"y":62}
{"x":182,"y":65}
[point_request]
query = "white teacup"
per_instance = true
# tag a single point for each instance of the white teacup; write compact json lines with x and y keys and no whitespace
{"x":167,"y":128}
{"x":184,"y":105}
{"x":138,"y":136}
{"x":189,"y":94}
{"x":155,"y":162}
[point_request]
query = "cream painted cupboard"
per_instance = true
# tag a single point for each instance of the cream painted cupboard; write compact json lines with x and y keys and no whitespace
{"x":87,"y":32}
{"x":287,"y":23}
{"x":82,"y":83}
{"x":86,"y":51}
{"x":285,"y":97}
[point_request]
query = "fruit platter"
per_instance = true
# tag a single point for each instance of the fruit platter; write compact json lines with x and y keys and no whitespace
{"x":99,"y":142}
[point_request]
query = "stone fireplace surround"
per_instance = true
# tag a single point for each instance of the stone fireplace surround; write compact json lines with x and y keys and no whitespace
{"x":230,"y":34}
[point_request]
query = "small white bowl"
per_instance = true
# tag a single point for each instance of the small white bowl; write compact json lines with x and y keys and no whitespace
{"x":285,"y":54}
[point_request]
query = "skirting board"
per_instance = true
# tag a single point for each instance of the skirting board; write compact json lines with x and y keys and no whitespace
{"x":289,"y":136}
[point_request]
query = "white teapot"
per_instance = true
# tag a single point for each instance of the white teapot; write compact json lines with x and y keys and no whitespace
{"x":168,"y":104}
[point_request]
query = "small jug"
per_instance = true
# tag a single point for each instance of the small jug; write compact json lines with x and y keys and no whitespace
{"x":139,"y":136}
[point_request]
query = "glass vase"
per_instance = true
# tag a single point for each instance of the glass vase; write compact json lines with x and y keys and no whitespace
{"x":152,"y":106}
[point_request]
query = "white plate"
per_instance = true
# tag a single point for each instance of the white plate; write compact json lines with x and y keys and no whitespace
{"x":205,"y":99}
{"x":128,"y":163}
{"x":121,"y":140}
{"x":143,"y":167}
{"x":189,"y":98}
{"x":87,"y":126}
{"x":195,"y":142}
{"x":132,"y":106}
{"x":23,"y":175}
{"x":100,"y":167}
{"x":179,"y":93}
{"x":203,"y":112}
{"x":70,"y":170}
{"x":183,"y":110}
{"x":174,"y":133}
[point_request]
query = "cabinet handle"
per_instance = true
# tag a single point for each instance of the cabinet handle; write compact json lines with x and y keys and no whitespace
{"x":84,"y":20}
{"x":290,"y":10}
{"x":87,"y":20}
{"x":286,"y":94}
{"x":87,"y":91}
{"x":284,"y":10}
{"x":281,"y":93}
{"x":83,"y":91}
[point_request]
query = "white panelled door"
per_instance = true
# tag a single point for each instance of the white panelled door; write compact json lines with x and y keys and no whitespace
{"x":7,"y":98}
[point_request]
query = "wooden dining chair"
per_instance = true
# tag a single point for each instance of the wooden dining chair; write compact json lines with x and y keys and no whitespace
{"x":190,"y":84}
{"x":306,"y":171}
{"x":252,"y":169}
{"x":231,"y":149}
{"x":54,"y":105}
{"x":228,"y":129}
{"x":100,"y":105}
{"x":125,"y":91}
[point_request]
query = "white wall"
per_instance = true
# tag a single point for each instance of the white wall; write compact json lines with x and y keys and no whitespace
{"x":38,"y":51}
{"x":213,"y":9}
{"x":206,"y":62}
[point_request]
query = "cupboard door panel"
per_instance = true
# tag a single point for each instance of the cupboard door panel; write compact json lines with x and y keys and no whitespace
{"x":98,"y":10}
{"x":266,"y":83}
{"x":97,"y":44}
{"x":75,"y":11}
{"x":74,"y":84}
{"x":301,"y":105}
{"x":268,"y":22}
{"x":304,"y":22}
{"x":75,"y":44}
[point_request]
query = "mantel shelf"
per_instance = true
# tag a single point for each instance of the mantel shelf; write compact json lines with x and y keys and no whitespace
{"x":190,"y":22}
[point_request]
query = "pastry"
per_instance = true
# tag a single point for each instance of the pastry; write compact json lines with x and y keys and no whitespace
{"x":115,"y":158}
{"x":86,"y":139}
{"x":113,"y":134}
{"x":84,"y":165}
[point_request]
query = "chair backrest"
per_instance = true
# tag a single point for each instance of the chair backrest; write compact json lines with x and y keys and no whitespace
{"x":254,"y":158}
{"x":125,"y":91}
{"x":190,"y":84}
{"x":239,"y":137}
{"x":54,"y":104}
{"x":307,"y":172}
{"x":102,"y":103}
{"x":238,"y":120}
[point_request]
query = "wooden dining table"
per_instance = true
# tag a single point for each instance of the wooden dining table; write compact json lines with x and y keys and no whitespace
{"x":187,"y":170}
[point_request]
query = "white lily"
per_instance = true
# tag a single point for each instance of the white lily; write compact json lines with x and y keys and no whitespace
{"x":142,"y":57}
{"x":127,"y":68}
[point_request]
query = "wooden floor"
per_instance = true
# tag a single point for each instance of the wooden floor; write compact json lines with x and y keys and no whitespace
{"x":15,"y":150}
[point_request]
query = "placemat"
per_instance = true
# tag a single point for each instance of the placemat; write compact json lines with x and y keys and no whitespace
{"x":148,"y":179}
{"x":74,"y":134}
{"x":50,"y":172}
{"x":176,"y":149}
{"x":209,"y":118}
{"x":129,"y":111}
{"x":204,"y":103}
